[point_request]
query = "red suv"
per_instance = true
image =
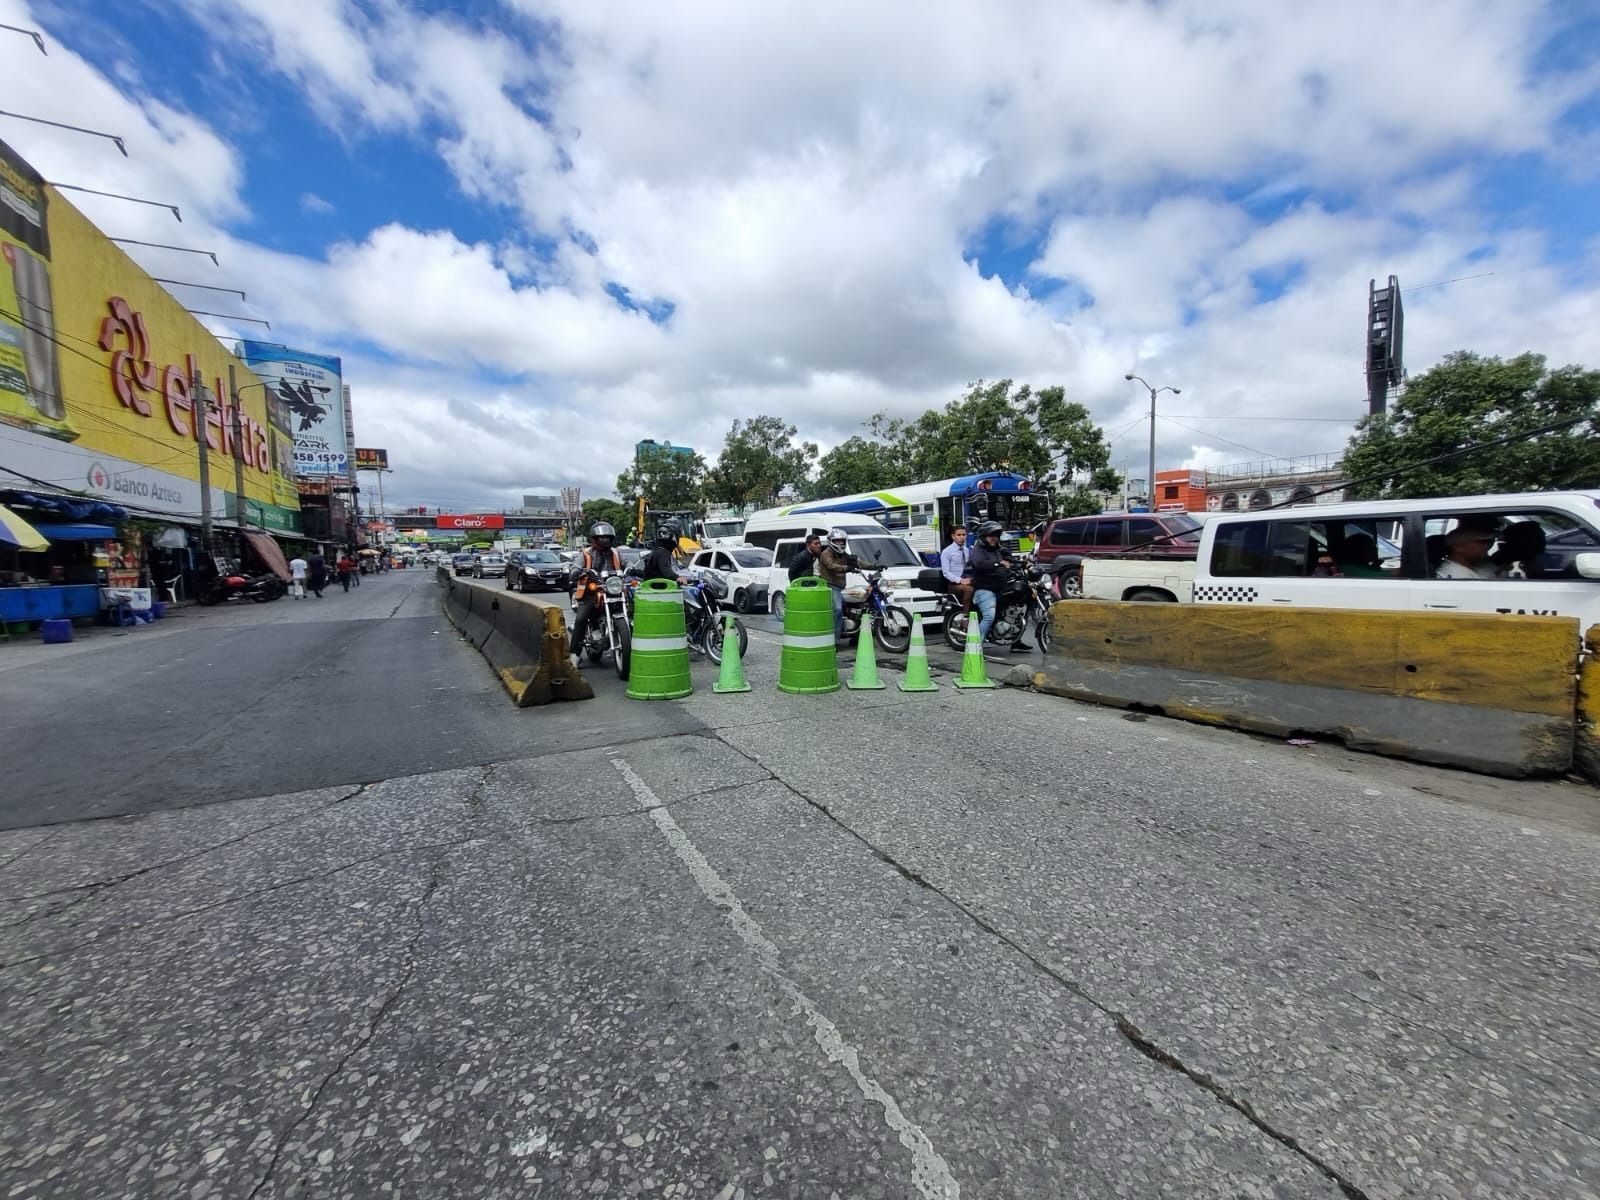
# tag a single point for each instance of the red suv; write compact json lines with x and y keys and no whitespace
{"x":1171,"y":535}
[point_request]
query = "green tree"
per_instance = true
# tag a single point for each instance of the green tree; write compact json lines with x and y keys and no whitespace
{"x":603,"y":508}
{"x":857,"y":465}
{"x":759,"y":459}
{"x":666,"y":478}
{"x":1468,"y":400}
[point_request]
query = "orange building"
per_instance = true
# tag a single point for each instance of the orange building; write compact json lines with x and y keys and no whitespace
{"x":1180,"y":491}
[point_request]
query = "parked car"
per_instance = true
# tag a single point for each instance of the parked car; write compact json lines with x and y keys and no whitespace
{"x":537,"y":571}
{"x":487,"y":566}
{"x":1172,"y":535}
{"x":461,"y":564}
{"x":747,"y":570}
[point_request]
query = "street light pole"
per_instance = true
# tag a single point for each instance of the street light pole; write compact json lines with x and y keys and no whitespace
{"x":1150,"y":483}
{"x":238,"y":451}
{"x":197,"y":391}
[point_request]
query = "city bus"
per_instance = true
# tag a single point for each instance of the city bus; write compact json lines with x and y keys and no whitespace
{"x":924,"y":513}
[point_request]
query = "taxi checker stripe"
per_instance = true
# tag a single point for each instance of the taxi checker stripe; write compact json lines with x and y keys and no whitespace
{"x":661,"y":643}
{"x":806,"y":641}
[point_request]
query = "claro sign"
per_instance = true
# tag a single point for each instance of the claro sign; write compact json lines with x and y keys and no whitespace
{"x":468,"y":521}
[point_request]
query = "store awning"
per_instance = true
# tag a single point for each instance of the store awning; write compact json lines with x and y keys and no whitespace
{"x":271,"y":553}
{"x":77,"y":533}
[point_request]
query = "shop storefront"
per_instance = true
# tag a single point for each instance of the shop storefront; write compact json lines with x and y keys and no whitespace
{"x":108,"y":391}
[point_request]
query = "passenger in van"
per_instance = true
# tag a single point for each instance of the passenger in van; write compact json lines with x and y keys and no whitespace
{"x":1358,"y":558}
{"x":1520,"y":551}
{"x":1466,"y":552}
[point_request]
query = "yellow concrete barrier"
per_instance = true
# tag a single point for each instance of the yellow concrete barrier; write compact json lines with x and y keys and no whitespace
{"x":1586,"y":744}
{"x":524,"y":639}
{"x":1493,"y":693}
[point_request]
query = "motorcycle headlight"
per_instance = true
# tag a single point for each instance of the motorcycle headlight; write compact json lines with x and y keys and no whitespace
{"x":614,"y":585}
{"x":855,"y":594}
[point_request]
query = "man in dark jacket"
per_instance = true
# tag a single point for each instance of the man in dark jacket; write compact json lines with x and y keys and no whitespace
{"x":834,"y":564}
{"x":988,"y":564}
{"x":804,"y":560}
{"x":317,"y":573}
{"x":659,"y":563}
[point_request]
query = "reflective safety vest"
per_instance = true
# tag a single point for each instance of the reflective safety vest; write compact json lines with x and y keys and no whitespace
{"x":579,"y":592}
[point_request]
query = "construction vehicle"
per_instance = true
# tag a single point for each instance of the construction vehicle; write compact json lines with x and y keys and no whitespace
{"x":649,"y":520}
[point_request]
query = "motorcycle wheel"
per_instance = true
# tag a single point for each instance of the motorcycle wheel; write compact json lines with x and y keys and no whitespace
{"x":777,"y":606}
{"x":622,"y":657}
{"x":892,"y":630}
{"x":717,"y":635}
{"x":1041,"y":635}
{"x":261,"y":596}
{"x":955,"y":629}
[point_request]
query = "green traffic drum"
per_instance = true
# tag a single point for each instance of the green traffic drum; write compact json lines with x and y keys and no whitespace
{"x":659,"y":662}
{"x":810,"y":660}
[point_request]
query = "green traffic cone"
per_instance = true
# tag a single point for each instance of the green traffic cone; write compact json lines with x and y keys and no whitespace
{"x":973,"y":672}
{"x":917,"y":678}
{"x":865,"y":676}
{"x":731,"y":677}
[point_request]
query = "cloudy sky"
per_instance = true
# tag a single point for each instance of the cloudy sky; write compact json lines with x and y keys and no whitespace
{"x":539,"y":230}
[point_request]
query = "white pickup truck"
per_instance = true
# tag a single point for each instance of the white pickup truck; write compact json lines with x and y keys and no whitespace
{"x":1533,"y":553}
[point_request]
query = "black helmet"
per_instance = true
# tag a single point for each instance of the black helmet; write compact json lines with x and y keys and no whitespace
{"x":669,"y":532}
{"x":989,"y":527}
{"x":836,"y":540}
{"x":601,"y":529}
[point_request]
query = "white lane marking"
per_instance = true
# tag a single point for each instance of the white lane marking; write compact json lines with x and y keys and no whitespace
{"x":930,"y":1174}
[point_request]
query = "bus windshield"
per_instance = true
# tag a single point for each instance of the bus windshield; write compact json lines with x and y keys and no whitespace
{"x":1014,"y":511}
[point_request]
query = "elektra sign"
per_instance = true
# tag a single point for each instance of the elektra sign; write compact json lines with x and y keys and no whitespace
{"x":467,"y":521}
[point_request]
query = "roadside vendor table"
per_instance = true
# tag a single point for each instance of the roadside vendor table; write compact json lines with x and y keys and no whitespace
{"x":48,"y":602}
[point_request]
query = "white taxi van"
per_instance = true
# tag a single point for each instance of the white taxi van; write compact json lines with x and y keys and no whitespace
{"x":1535,"y":552}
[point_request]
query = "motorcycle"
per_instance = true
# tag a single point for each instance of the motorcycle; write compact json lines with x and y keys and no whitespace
{"x":703,"y":599}
{"x":613,"y":633}
{"x":235,"y":585}
{"x":1024,"y":601}
{"x":891,"y":624}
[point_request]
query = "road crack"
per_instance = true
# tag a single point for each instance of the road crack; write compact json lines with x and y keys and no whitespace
{"x":1125,"y":1027}
{"x":117,"y":880}
{"x":407,"y":973}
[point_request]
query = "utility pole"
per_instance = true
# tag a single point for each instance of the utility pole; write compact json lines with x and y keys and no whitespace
{"x":238,"y":452}
{"x":1150,"y":483}
{"x":197,"y":394}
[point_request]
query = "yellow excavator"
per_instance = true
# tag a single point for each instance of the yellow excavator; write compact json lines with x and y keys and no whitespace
{"x":650,"y":518}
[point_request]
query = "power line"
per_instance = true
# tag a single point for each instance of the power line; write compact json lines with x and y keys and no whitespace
{"x":1202,"y":417}
{"x":1216,"y":437}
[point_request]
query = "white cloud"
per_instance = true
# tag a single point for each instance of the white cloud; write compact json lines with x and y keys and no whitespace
{"x":1214,"y":181}
{"x":310,"y":202}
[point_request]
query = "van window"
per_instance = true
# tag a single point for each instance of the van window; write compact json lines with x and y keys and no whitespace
{"x":1261,"y":549}
{"x":1537,"y":544}
{"x":1107,"y":533}
{"x":766,"y":538}
{"x":1144,"y":530}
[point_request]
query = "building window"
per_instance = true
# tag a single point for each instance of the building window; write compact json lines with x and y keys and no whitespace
{"x":1230,"y":502}
{"x":1169,"y":491}
{"x":1302,"y":495}
{"x":1260,"y":498}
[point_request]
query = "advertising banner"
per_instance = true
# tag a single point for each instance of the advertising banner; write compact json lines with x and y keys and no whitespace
{"x":309,"y":388}
{"x":116,"y":416}
{"x":371,"y":460}
{"x":30,"y":375}
{"x":470,"y":521}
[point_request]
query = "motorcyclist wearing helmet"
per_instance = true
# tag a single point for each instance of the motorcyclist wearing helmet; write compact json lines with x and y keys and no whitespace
{"x":834,"y":564}
{"x":988,"y":564}
{"x":659,"y":563}
{"x":601,"y":557}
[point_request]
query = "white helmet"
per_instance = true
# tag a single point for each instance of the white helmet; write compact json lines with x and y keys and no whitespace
{"x":836,"y":540}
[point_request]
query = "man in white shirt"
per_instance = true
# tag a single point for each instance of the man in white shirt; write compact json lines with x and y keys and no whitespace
{"x":297,"y":577}
{"x":953,"y":566}
{"x":1466,"y":553}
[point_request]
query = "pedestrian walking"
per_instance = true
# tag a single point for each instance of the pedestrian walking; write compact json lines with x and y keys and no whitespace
{"x":317,"y":574}
{"x":346,"y":566}
{"x":297,"y":577}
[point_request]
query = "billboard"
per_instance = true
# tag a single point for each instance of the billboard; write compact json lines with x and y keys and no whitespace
{"x":470,"y":521}
{"x":371,"y":460}
{"x":309,"y":386}
{"x":30,"y":376}
{"x":115,"y":417}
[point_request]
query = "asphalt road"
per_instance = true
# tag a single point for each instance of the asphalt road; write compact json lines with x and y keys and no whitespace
{"x":859,"y":945}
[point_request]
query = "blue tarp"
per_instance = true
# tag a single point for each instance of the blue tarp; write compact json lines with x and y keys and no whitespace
{"x":72,"y":509}
{"x":76,"y":533}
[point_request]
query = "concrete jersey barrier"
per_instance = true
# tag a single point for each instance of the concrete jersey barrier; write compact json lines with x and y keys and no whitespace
{"x":523,"y":638}
{"x":1586,"y":744}
{"x":1490,"y":693}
